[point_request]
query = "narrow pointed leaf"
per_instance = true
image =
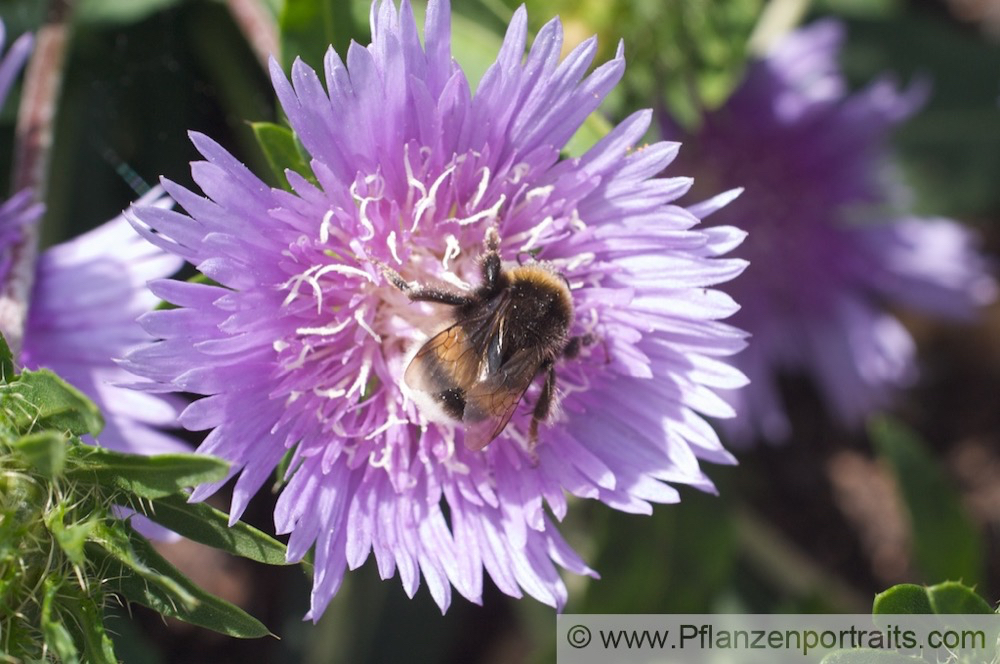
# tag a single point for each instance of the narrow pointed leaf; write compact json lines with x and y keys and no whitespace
{"x":114,"y":543}
{"x":203,"y":523}
{"x":70,"y":537}
{"x":141,"y":476}
{"x":88,"y":629}
{"x":6,"y":362}
{"x":57,"y":637}
{"x":40,"y":400}
{"x":209,"y":611}
{"x":282,"y":151}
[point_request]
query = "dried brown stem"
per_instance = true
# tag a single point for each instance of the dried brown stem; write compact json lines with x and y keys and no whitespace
{"x":33,"y":140}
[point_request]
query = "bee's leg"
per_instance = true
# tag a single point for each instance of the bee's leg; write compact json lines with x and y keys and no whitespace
{"x":418,"y":293}
{"x":544,"y":403}
{"x":578,"y":343}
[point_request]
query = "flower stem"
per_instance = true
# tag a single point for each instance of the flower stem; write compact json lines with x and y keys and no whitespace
{"x":789,"y":568}
{"x":258,"y":26}
{"x":33,"y":141}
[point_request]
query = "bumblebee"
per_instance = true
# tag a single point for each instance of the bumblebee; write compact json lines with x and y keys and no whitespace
{"x":504,"y":334}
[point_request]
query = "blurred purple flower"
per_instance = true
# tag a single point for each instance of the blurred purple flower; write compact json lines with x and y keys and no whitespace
{"x":303,"y":343}
{"x":830,"y":239}
{"x":87,"y":295}
{"x":85,"y":299}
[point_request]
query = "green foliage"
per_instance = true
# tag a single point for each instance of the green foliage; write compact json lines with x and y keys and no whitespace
{"x":952,"y":597}
{"x":905,"y":598}
{"x":474,"y":45}
{"x":941,"y":600}
{"x":686,"y":55}
{"x":947,"y":598}
{"x":57,"y":636}
{"x":944,"y":599}
{"x":310,"y":27}
{"x":141,"y":477}
{"x":205,"y":524}
{"x":40,"y":400}
{"x":282,"y":150}
{"x":947,"y":545}
{"x":44,"y":451}
{"x":163,"y":588}
{"x":63,"y":552}
{"x":6,"y":361}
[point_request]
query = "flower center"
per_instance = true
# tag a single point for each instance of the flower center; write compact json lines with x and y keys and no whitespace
{"x":355,"y":331}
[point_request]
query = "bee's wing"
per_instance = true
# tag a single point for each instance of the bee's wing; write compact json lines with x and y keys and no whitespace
{"x":490,"y":403}
{"x":446,"y":361}
{"x":452,"y":358}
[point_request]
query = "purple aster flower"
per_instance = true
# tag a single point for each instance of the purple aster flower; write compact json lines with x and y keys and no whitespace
{"x":830,"y":238}
{"x":303,"y":343}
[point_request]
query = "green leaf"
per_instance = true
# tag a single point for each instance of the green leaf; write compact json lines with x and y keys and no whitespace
{"x":45,"y":451}
{"x":57,"y":637}
{"x":954,"y":598}
{"x":141,"y":476}
{"x":947,"y":546}
{"x":282,"y":151}
{"x":309,"y":27}
{"x":944,"y":599}
{"x":203,"y":523}
{"x":72,"y":537}
{"x":7,"y":373}
{"x":209,"y":611}
{"x":473,"y":45}
{"x":904,"y":598}
{"x":116,"y":543}
{"x":948,"y":598}
{"x":42,"y":400}
{"x":686,"y":56}
{"x":88,"y":628}
{"x":22,"y":498}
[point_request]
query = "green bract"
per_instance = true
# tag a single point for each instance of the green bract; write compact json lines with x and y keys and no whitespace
{"x":64,"y":552}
